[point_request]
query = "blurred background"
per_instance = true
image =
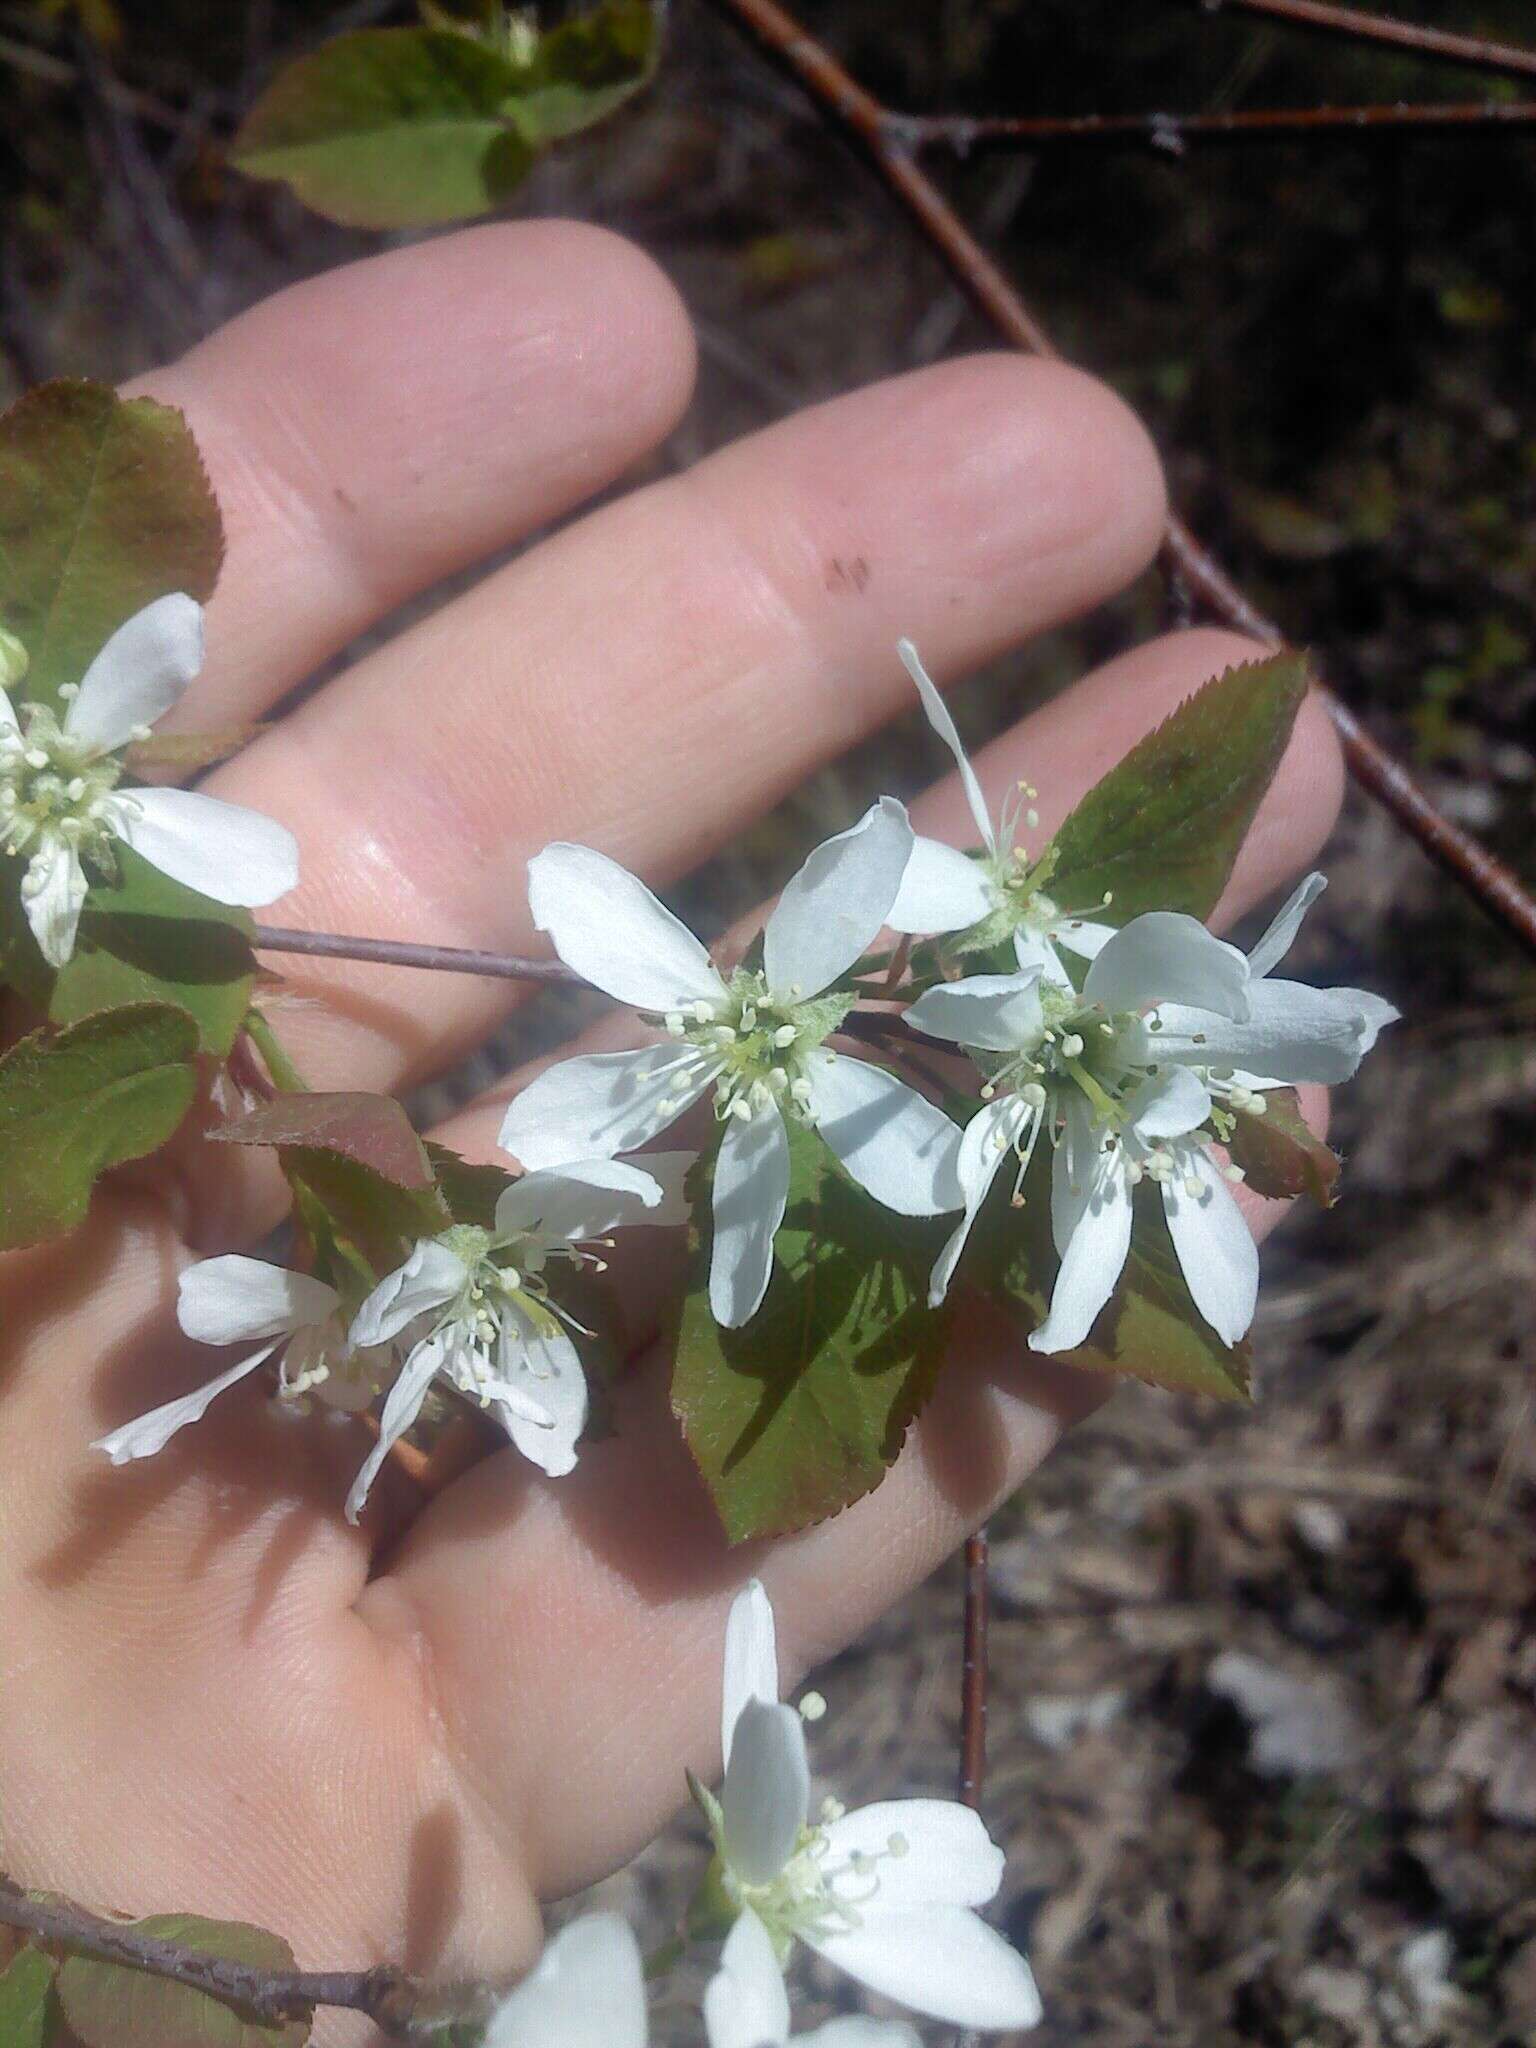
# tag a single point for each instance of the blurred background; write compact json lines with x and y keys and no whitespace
{"x":1264,"y":1684}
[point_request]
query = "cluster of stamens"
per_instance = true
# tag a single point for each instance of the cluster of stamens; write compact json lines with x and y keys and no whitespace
{"x":57,"y":789}
{"x":319,"y":1360}
{"x":756,"y":1045}
{"x":813,"y":1894}
{"x":503,"y":1275}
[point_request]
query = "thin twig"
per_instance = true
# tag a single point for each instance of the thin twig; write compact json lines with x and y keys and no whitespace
{"x":974,"y":1672}
{"x":868,"y":124}
{"x":1168,"y":132}
{"x":1480,"y":52}
{"x":271,"y":938}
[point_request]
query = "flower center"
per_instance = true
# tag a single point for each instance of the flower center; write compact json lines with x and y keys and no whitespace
{"x":319,"y":1360}
{"x":57,"y":791}
{"x":758,"y":1044}
{"x":816,"y":1894}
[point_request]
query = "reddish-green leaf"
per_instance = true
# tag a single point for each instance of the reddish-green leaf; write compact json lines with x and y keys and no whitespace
{"x":1282,"y":1155}
{"x":109,"y":2005}
{"x":371,"y":1130}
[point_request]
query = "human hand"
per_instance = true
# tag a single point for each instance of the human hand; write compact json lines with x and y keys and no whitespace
{"x":392,"y":1741}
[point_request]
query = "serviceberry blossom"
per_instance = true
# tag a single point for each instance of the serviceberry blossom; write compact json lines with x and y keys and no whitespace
{"x":746,"y":2005}
{"x":755,"y":1040}
{"x":1136,"y":1078}
{"x":587,"y":1990}
{"x":887,"y":1892}
{"x":235,"y":1300}
{"x":63,"y":806}
{"x":474,"y":1306}
{"x":1000,"y":897}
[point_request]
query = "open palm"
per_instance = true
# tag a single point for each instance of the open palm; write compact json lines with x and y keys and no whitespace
{"x":391,"y":1742}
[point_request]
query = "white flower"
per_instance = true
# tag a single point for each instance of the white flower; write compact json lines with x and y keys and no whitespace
{"x":755,"y":1040}
{"x":587,"y":1990}
{"x":1123,"y":1078}
{"x":887,"y":1892}
{"x":235,"y":1300}
{"x":1000,"y":896}
{"x":746,"y":2005}
{"x":475,"y":1307}
{"x":62,"y":807}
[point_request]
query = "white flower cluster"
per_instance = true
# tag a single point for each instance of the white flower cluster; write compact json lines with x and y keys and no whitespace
{"x":888,"y":1893}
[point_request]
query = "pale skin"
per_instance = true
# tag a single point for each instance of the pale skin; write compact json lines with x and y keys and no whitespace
{"x":393,"y":1742}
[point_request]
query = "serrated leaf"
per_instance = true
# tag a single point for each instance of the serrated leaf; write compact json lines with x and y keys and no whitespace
{"x":26,"y":2001}
{"x":584,"y":70}
{"x":110,"y":1088}
{"x":1163,"y":828}
{"x":390,"y":127}
{"x":104,"y":506}
{"x":1281,"y":1154}
{"x":109,"y":2005}
{"x":471,"y":1191}
{"x":802,"y":1412}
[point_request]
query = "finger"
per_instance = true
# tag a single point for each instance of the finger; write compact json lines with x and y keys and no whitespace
{"x":371,"y":431}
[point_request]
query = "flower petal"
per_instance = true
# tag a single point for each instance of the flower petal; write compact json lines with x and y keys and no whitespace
{"x":608,"y":926}
{"x":997,"y":1012}
{"x":984,"y":1145}
{"x":751,"y":1189}
{"x":766,"y":1793}
{"x":139,"y":674}
{"x":223,"y":850}
{"x":588,"y":1198}
{"x":587,"y":1990}
{"x":1036,"y":955}
{"x":52,"y":896}
{"x":1284,"y":925}
{"x":751,"y":1670}
{"x":1167,"y":1104}
{"x":1166,"y":956}
{"x":745,"y":2003}
{"x":944,"y":726}
{"x":857,"y":2030}
{"x":1080,"y":935}
{"x":833,"y":908}
{"x":430,"y":1278}
{"x":939,"y":1960}
{"x":402,"y":1405}
{"x":541,"y":1401}
{"x":949,"y":1860}
{"x":1217,"y":1254}
{"x":231,"y":1299}
{"x":149,"y":1433}
{"x":1293,"y":1033}
{"x":941,"y":891}
{"x":602,"y":1103}
{"x":1091,"y":1219}
{"x":896,"y":1144}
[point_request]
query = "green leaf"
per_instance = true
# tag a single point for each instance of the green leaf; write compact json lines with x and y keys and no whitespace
{"x":584,"y":70}
{"x":390,"y":127}
{"x":1163,"y":828}
{"x":471,"y":1191}
{"x":26,"y":2000}
{"x":104,"y":506}
{"x":110,"y":2005}
{"x":109,"y":1088}
{"x":1281,"y":1154}
{"x":801,"y":1412}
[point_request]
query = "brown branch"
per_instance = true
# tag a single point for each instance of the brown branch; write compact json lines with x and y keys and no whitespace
{"x":973,"y":1672}
{"x":868,"y":124}
{"x":1480,"y":52}
{"x":271,"y":938}
{"x":1168,"y":133}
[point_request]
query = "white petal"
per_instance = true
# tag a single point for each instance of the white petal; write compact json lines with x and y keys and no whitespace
{"x":1080,"y":935}
{"x":608,"y":926}
{"x":152,"y":1432}
{"x":1168,"y":1104}
{"x":1165,"y":957}
{"x":402,"y":1405}
{"x":52,"y":896}
{"x":836,"y":904}
{"x":745,"y":2003}
{"x":587,"y":1990}
{"x":1375,"y":1011}
{"x":430,"y":1278}
{"x":1294,"y":1033}
{"x":896,"y":1144}
{"x":230,"y":1300}
{"x":941,"y":891}
{"x":985,"y":1144}
{"x":944,"y":726}
{"x":589,"y":1198}
{"x":1036,"y":955}
{"x":751,"y":1659}
{"x":602,"y":1103}
{"x":139,"y":674}
{"x":766,"y":1792}
{"x":542,"y":1400}
{"x":950,"y":1859}
{"x":1091,"y":1219}
{"x":1284,"y":925}
{"x":223,"y":850}
{"x":855,"y":2030}
{"x":998,"y":1012}
{"x":940,"y":1960}
{"x":1219,"y":1258}
{"x":10,"y":727}
{"x":751,"y":1189}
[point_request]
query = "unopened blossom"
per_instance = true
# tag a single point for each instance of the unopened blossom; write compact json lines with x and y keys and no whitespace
{"x":755,"y":1041}
{"x":1124,"y":1080}
{"x":746,"y":2005}
{"x":235,"y":1300}
{"x":1000,"y":897}
{"x":64,"y":808}
{"x":587,"y":1990}
{"x":475,"y":1308}
{"x":887,"y":1892}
